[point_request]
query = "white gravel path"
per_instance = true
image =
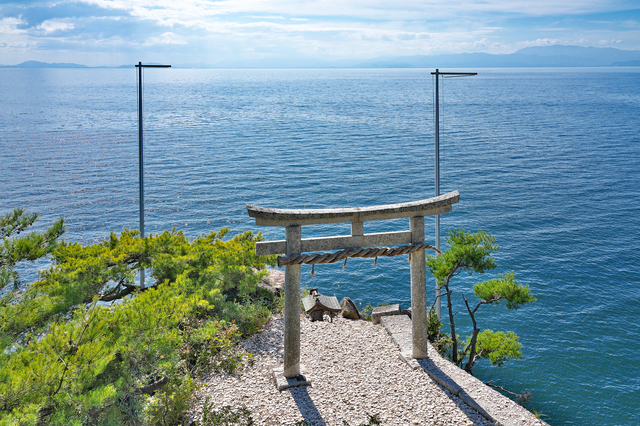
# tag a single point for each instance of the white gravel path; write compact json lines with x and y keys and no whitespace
{"x":355,"y":370}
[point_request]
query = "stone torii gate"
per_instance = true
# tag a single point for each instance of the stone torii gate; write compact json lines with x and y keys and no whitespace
{"x":352,"y":246}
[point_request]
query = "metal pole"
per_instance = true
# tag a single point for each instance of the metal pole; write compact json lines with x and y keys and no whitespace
{"x":140,"y":153}
{"x":141,"y":163}
{"x":437,"y":160}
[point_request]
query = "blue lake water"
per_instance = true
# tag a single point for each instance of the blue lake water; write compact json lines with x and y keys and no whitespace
{"x":547,"y":160}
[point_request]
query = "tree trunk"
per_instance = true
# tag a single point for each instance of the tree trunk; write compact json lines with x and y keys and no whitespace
{"x":454,"y":355}
{"x":472,"y":353}
{"x":474,"y":337}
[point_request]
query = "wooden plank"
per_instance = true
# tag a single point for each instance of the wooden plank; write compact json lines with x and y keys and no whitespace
{"x":264,"y":248}
{"x":284,"y":217}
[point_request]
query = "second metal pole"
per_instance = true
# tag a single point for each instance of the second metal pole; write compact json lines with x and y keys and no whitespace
{"x":437,"y":155}
{"x":141,"y":163}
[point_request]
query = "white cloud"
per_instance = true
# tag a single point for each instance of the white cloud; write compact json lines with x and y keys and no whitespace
{"x":556,"y":29}
{"x":360,"y":9}
{"x":538,"y":42}
{"x":166,"y":38}
{"x":55,"y":25}
{"x":10,"y":26}
{"x":266,"y":17}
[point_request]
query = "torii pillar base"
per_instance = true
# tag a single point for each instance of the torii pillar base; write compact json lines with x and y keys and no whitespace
{"x":283,"y":383}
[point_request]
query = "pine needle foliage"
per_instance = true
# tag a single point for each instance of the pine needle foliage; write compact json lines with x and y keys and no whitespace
{"x":498,"y":347}
{"x":85,"y":345}
{"x":15,"y":249}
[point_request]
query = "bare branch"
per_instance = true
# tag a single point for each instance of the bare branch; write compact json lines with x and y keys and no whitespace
{"x":110,"y":296}
{"x":127,"y":291}
{"x":452,"y":272}
{"x":147,"y":390}
{"x":66,"y":367}
{"x":526,"y":396}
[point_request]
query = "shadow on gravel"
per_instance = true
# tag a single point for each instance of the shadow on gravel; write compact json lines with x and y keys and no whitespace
{"x":306,"y":406}
{"x":446,"y":382}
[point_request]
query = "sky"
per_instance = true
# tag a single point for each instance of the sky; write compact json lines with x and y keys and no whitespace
{"x":117,"y":32}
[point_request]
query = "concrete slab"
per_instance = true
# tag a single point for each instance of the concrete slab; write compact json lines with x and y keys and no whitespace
{"x":488,"y":402}
{"x":399,"y":328}
{"x":383,"y":311}
{"x":283,"y":383}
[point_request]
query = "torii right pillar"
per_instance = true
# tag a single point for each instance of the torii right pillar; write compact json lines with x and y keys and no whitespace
{"x":418,"y":290}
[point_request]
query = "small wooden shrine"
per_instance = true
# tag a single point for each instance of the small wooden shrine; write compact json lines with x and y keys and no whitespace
{"x":316,"y":304}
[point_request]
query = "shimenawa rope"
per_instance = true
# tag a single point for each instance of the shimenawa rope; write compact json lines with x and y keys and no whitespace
{"x":315,"y":258}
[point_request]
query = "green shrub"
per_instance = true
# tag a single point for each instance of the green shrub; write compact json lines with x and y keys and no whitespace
{"x":441,"y":341}
{"x":86,"y":345}
{"x":247,"y":316}
{"x":169,"y":405}
{"x":368,"y":309}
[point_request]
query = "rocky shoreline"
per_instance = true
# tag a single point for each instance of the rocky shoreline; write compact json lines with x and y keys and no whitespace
{"x":355,"y":371}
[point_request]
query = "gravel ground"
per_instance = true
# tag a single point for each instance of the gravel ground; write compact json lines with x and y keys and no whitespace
{"x":355,"y":370}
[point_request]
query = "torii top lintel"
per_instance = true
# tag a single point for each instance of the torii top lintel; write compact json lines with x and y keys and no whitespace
{"x":285,"y":217}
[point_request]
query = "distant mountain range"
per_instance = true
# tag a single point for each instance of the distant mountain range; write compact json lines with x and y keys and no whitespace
{"x":36,"y":64}
{"x":544,"y":56}
{"x":547,"y":56}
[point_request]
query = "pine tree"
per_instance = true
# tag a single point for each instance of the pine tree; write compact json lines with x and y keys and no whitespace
{"x":472,"y":253}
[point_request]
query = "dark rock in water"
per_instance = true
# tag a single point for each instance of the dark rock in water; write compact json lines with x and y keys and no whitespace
{"x":349,"y":309}
{"x":274,"y":282}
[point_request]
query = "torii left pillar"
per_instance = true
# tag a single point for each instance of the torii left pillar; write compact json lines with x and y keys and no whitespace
{"x":292,"y":305}
{"x":292,"y":374}
{"x":418,"y":291}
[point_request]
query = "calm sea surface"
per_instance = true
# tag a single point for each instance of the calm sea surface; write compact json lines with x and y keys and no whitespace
{"x":547,"y":160}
